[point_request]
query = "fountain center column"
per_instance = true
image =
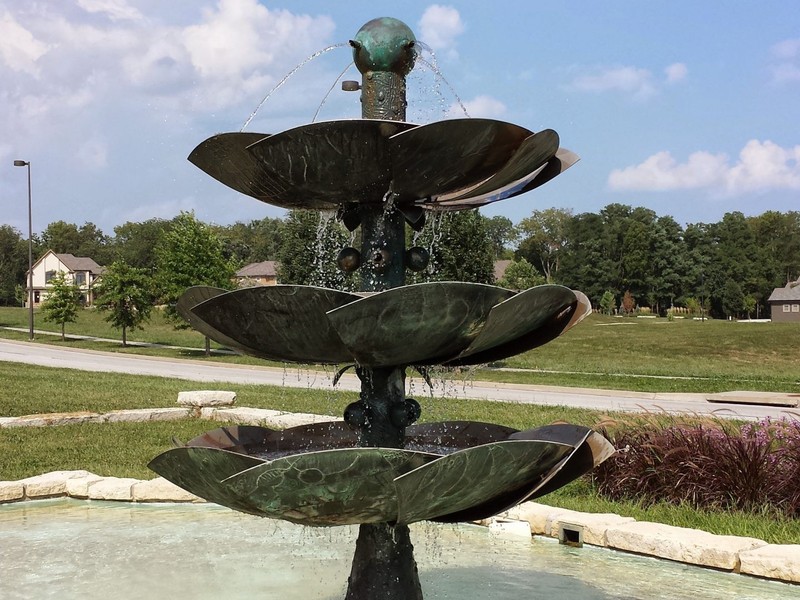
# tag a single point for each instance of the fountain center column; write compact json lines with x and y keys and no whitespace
{"x":383,"y":564}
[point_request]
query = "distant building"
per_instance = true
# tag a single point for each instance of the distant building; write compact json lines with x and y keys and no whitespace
{"x":784,"y":303}
{"x":260,"y":273}
{"x":80,"y":271}
{"x":500,"y":267}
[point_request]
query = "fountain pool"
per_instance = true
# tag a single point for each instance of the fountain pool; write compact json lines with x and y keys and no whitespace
{"x":70,"y":549}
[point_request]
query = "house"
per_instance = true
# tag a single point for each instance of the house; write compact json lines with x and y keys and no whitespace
{"x":784,"y":303}
{"x":260,"y":273}
{"x":500,"y":267}
{"x":80,"y":271}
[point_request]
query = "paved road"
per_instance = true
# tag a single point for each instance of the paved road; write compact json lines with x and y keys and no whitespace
{"x":90,"y":360}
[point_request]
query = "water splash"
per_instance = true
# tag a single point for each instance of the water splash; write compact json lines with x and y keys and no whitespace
{"x":287,"y":76}
{"x":433,"y":65}
{"x":441,"y":77}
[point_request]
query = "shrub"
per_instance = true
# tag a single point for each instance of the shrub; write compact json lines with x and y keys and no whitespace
{"x":707,"y":464}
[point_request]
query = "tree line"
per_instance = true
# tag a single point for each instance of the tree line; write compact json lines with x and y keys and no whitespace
{"x":622,"y":256}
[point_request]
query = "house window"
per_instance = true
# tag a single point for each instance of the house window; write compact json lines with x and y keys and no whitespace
{"x":786,"y":307}
{"x":48,"y":276}
{"x":80,"y":278}
{"x":795,"y":307}
{"x":36,"y":297}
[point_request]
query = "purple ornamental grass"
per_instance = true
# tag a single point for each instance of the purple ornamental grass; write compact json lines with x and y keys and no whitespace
{"x":708,"y":464}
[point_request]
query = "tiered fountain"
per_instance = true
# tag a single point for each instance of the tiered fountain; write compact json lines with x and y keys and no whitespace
{"x":375,"y":468}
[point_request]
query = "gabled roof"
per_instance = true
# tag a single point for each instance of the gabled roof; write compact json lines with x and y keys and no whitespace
{"x":80,"y":263}
{"x":790,"y":292}
{"x":73,"y":263}
{"x":500,"y":267}
{"x":259,"y":269}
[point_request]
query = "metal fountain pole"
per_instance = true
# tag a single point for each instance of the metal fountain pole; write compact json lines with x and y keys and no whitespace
{"x":383,"y":564}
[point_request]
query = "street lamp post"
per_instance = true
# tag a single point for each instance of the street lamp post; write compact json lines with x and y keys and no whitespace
{"x":22,"y":163}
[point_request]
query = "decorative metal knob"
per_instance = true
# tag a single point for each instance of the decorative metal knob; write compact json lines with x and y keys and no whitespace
{"x":356,"y":415}
{"x":349,"y":259}
{"x":417,"y":258}
{"x":405,"y":413}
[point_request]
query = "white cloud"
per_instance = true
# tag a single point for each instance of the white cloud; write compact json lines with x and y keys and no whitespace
{"x":787,"y":49}
{"x":787,"y":67}
{"x":116,"y":10}
{"x":439,"y":27}
{"x":676,"y":72}
{"x":479,"y":107}
{"x":631,"y":80}
{"x":19,"y":49}
{"x":637,"y":82}
{"x":765,"y":165}
{"x":761,"y":166}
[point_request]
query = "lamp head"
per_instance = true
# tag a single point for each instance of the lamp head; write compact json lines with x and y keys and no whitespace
{"x":21,"y":163}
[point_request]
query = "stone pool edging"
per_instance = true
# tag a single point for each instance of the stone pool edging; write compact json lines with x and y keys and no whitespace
{"x":748,"y":556}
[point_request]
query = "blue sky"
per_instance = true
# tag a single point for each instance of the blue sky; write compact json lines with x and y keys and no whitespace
{"x":690,"y":108}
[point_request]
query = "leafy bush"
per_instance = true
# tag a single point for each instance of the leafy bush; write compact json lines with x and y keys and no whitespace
{"x":705,"y":464}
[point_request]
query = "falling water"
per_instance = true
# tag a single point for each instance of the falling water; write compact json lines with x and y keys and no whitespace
{"x":433,"y":65}
{"x":330,"y":89}
{"x":287,"y":76}
{"x":439,"y":75}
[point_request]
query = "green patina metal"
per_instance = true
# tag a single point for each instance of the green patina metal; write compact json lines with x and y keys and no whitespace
{"x":381,"y":173}
{"x":384,"y":44}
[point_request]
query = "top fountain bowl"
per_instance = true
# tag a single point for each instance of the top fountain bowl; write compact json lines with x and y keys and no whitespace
{"x":384,"y":44}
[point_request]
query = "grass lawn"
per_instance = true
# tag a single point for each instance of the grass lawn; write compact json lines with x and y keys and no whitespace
{"x":652,"y":355}
{"x":123,"y":449}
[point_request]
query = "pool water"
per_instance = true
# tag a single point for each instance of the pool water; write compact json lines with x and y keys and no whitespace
{"x":68,"y":549}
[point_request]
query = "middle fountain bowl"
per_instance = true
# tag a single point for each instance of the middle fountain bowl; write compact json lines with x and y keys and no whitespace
{"x":440,"y":323}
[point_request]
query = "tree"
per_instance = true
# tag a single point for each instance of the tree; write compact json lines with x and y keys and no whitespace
{"x":13,"y":263}
{"x":749,"y":305}
{"x":628,"y":303}
{"x":693,"y":305}
{"x":125,"y":292}
{"x":732,"y":299}
{"x":544,"y":239}
{"x":86,"y":240}
{"x":62,"y":302}
{"x":502,"y":234}
{"x":520,"y":275}
{"x":134,"y":242}
{"x":251,"y":242}
{"x":587,"y":266}
{"x":189,"y":254}
{"x":460,"y":248}
{"x":310,"y":243}
{"x":608,"y":304}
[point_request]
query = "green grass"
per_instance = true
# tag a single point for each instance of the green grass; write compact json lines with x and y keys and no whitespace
{"x":767,"y":526}
{"x":92,"y":323}
{"x":124,"y":449}
{"x":648,"y":355}
{"x":683,"y":347}
{"x":652,"y":355}
{"x":110,"y":449}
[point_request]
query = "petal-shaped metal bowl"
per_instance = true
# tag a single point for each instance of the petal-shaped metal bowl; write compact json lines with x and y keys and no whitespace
{"x":450,"y":323}
{"x":451,"y":165}
{"x":458,"y":471}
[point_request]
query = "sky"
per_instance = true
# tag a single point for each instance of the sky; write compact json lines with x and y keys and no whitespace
{"x":690,"y":108}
